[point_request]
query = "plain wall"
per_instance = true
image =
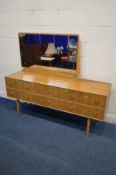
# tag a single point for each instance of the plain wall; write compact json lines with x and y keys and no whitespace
{"x":93,"y":20}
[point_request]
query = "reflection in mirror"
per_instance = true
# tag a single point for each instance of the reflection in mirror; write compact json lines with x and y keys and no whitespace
{"x":56,"y":50}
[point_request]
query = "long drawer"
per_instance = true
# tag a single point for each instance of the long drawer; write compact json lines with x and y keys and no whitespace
{"x":19,"y":84}
{"x":58,"y":93}
{"x":75,"y":108}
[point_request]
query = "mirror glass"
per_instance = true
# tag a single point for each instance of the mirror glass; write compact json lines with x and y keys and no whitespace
{"x":56,"y":50}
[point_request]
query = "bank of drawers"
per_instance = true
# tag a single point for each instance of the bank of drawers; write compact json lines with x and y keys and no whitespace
{"x":82,"y":103}
{"x":56,"y":92}
{"x":71,"y":107}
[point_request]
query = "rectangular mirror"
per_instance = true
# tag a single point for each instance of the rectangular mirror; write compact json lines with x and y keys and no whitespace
{"x":54,"y":50}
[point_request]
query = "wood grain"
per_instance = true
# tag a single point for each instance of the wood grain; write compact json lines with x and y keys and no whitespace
{"x":82,"y":97}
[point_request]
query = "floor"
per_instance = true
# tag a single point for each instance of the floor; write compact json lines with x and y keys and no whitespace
{"x":40,"y":141}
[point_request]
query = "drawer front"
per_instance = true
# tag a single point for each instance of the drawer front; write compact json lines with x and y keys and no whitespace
{"x":86,"y":98}
{"x":37,"y":88}
{"x":10,"y":82}
{"x":97,"y":114}
{"x":50,"y":91}
{"x":41,"y":89}
{"x":58,"y":93}
{"x":96,"y":100}
{"x":74,"y":96}
{"x":73,"y":108}
{"x":45,"y":101}
{"x":35,"y":98}
{"x":12,"y":93}
{"x":70,"y":95}
{"x":24,"y":96}
{"x":50,"y":102}
{"x":91,"y":112}
{"x":24,"y":86}
{"x":57,"y":104}
{"x":84,"y":110}
{"x":62,"y":99}
{"x":19,"y":84}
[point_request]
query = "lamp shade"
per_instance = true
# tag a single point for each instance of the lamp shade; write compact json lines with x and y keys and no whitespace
{"x":50,"y":49}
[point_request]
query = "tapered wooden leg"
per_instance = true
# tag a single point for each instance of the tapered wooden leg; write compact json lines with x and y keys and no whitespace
{"x":50,"y":64}
{"x":18,"y":106}
{"x":88,"y":126}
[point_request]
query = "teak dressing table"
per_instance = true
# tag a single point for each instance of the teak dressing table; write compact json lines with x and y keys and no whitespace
{"x":60,"y":90}
{"x":56,"y":87}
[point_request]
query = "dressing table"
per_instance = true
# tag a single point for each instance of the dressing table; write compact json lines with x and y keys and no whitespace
{"x":60,"y":89}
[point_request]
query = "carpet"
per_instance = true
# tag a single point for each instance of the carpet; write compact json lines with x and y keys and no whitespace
{"x":42,"y":141}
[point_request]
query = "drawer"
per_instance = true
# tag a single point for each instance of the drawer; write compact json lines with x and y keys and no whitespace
{"x":50,"y":91}
{"x":24,"y":96}
{"x":74,"y":96}
{"x":71,"y":107}
{"x":30,"y":98}
{"x":95,"y":100}
{"x":45,"y":90}
{"x":84,"y":110}
{"x":97,"y":114}
{"x":41,"y":89}
{"x":47,"y":101}
{"x":24,"y":85}
{"x":10,"y":82}
{"x":35,"y":98}
{"x":12,"y":93}
{"x":58,"y":93}
{"x":19,"y":84}
{"x":38,"y":99}
{"x":56,"y":104}
{"x":37,"y":88}
{"x":92,"y":113}
{"x":53,"y":103}
{"x":86,"y":98}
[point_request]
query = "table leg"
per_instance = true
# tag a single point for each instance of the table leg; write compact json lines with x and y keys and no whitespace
{"x":18,"y":106}
{"x":88,"y":126}
{"x":50,"y":64}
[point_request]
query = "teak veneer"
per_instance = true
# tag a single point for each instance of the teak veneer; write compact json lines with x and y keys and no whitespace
{"x":60,"y":90}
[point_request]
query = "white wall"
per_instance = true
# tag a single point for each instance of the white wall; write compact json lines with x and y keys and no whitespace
{"x":93,"y":20}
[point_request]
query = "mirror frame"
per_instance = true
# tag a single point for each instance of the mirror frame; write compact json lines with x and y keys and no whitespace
{"x":75,"y":72}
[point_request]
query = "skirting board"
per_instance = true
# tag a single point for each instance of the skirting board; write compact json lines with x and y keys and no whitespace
{"x":3,"y":94}
{"x":109,"y":118}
